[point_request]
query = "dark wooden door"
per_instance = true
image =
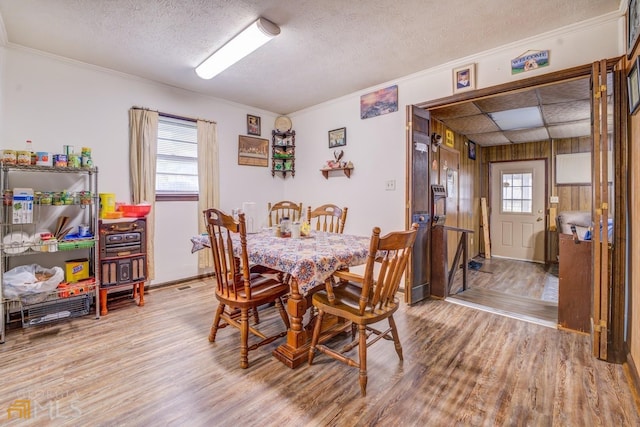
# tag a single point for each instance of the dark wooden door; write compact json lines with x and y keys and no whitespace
{"x":418,"y":203}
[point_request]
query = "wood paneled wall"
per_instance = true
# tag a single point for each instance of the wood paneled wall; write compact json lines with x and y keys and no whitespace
{"x":474,"y":181}
{"x":469,"y":183}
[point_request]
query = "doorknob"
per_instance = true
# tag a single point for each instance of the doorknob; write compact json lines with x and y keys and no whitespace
{"x":539,"y":219}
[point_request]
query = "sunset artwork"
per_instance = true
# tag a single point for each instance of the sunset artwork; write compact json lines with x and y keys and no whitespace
{"x":380,"y":102}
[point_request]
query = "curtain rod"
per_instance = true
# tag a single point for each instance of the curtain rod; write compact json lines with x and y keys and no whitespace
{"x":174,"y":116}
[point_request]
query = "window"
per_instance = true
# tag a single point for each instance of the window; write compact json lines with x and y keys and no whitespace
{"x":177,"y":159}
{"x":517,"y":192}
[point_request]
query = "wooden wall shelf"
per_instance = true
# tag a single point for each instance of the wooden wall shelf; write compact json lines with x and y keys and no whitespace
{"x":347,"y":171}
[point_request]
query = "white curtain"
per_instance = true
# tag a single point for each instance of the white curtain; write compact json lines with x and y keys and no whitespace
{"x":208,"y":180}
{"x":143,"y":139}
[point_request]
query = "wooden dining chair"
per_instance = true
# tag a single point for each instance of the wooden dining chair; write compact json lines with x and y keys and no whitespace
{"x":283,"y":209}
{"x":327,"y":217}
{"x":236,"y":287}
{"x":366,"y":299}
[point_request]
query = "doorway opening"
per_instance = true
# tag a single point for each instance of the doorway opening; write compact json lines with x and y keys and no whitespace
{"x":564,"y":101}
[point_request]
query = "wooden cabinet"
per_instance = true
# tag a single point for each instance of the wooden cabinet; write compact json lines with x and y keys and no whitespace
{"x":574,"y":284}
{"x":283,"y":152}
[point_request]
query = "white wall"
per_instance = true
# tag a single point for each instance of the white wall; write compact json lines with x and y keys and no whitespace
{"x":55,"y":102}
{"x":377,"y":146}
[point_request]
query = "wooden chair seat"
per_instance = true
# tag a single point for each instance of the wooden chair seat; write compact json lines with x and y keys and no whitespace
{"x":346,"y":304}
{"x":366,"y":299}
{"x":237,"y":289}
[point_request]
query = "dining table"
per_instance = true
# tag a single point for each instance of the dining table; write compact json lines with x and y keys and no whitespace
{"x":309,"y":261}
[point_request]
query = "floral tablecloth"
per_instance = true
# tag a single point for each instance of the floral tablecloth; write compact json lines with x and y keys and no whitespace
{"x":310,"y":260}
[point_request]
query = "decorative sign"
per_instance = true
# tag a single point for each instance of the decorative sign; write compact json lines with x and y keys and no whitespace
{"x":448,"y":138}
{"x":530,"y":60}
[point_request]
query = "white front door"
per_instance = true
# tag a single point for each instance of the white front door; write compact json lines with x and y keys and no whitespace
{"x":517,"y":224}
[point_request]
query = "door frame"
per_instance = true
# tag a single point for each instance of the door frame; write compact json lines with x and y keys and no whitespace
{"x":545,"y":201}
{"x":617,"y":350}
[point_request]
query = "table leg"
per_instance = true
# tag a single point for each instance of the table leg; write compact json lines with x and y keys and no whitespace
{"x":295,"y":351}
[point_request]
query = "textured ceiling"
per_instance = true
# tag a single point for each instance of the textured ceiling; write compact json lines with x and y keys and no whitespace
{"x":327,"y":48}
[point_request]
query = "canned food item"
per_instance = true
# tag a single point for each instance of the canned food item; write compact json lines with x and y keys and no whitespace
{"x":57,"y":199}
{"x":87,"y":162}
{"x":23,"y":158}
{"x":46,"y":198}
{"x":7,"y":197}
{"x":74,"y":160}
{"x":44,"y":159}
{"x":85,"y":198}
{"x":60,"y":160}
{"x":9,"y":157}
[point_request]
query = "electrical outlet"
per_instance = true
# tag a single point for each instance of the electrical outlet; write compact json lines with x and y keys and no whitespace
{"x":390,"y":185}
{"x":554,"y":199}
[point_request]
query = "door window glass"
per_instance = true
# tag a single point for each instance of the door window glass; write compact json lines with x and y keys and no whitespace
{"x":517,"y":192}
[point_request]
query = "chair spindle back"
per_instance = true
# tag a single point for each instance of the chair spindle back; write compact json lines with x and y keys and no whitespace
{"x":327,"y":217}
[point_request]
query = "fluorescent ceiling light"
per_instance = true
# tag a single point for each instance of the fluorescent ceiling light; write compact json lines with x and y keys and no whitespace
{"x":520,"y":118}
{"x":251,"y":38}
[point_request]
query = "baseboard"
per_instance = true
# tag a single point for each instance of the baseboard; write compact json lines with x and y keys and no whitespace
{"x":633,"y":378}
{"x":179,"y":281}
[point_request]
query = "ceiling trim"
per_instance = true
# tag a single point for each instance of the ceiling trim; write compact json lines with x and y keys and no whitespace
{"x":544,"y":79}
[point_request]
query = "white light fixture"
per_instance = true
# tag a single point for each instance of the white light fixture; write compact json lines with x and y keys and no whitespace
{"x":520,"y":118}
{"x":251,"y":38}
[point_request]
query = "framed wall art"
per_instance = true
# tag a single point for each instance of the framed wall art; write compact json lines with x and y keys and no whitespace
{"x":464,"y":78}
{"x":253,"y":125}
{"x":633,"y":26}
{"x":383,"y":101}
{"x":633,"y":87}
{"x":253,"y":151}
{"x":337,"y":137}
{"x":472,"y":150}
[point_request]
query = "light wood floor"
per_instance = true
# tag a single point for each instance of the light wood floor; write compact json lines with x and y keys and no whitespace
{"x":153,"y":366}
{"x":509,"y":287}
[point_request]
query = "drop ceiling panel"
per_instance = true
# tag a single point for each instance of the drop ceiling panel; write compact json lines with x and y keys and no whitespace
{"x":454,"y":111}
{"x":527,"y":135}
{"x":571,"y":130}
{"x":487,"y":139}
{"x":568,"y":91}
{"x":508,"y":102}
{"x":476,"y":124}
{"x":566,"y":112}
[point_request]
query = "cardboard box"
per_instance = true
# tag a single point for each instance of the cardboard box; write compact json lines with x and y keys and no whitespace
{"x":76,"y":270}
{"x":66,"y":290}
{"x":22,"y":205}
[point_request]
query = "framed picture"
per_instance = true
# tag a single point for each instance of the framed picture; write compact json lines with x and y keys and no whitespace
{"x":633,"y":87}
{"x":633,"y":26}
{"x":472,"y":150}
{"x":383,"y":101}
{"x":464,"y":78}
{"x":253,"y":125}
{"x":337,"y":137}
{"x":253,"y":151}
